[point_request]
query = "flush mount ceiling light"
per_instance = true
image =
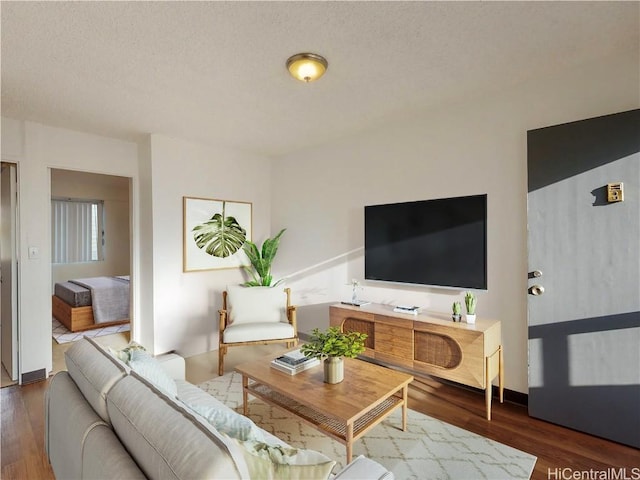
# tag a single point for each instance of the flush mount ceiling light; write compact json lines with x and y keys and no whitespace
{"x":307,"y":67}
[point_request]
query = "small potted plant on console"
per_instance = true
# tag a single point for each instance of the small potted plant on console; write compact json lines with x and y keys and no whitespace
{"x":332,"y":346}
{"x":457,"y":310}
{"x":470,"y":301}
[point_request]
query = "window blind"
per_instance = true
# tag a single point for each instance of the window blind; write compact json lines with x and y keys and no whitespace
{"x":76,"y":230}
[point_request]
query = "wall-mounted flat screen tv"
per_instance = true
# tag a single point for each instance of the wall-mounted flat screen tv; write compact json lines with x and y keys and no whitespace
{"x":440,"y":242}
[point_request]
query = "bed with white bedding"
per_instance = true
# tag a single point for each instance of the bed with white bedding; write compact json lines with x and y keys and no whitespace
{"x":86,"y":303}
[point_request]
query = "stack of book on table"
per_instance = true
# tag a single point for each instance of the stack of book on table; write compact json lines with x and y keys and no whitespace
{"x":294,"y":362}
{"x":411,"y":309}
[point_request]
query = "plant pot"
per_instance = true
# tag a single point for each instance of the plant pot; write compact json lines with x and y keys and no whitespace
{"x":456,"y":317}
{"x":470,"y":318}
{"x":333,"y":370}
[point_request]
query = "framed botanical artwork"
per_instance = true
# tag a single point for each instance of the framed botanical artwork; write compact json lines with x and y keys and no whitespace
{"x":214,"y":232}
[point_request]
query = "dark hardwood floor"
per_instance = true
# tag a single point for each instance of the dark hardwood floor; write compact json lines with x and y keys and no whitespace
{"x":23,"y":455}
{"x":22,"y":433}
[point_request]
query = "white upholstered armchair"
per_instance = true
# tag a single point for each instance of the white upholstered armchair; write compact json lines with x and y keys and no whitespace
{"x":256,"y":315}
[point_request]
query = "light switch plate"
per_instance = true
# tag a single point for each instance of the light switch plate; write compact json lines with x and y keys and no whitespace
{"x":34,"y":252}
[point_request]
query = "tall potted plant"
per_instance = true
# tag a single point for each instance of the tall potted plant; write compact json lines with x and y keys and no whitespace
{"x":261,"y":260}
{"x":332,"y":346}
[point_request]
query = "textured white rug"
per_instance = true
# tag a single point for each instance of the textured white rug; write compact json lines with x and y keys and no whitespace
{"x":428,"y":449}
{"x":61,"y":334}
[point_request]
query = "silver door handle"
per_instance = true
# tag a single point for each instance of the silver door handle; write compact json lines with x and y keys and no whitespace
{"x":536,"y":290}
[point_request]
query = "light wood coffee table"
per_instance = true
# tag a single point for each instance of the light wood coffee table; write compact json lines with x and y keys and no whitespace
{"x":344,"y":411}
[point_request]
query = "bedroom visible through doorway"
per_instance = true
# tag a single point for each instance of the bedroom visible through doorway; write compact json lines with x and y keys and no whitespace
{"x":91,"y":256}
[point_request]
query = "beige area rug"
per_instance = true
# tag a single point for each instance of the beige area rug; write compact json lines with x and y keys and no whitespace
{"x":61,"y":334}
{"x":428,"y":449}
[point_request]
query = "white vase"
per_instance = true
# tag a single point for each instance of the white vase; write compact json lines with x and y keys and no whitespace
{"x":470,"y":318}
{"x":333,"y":370}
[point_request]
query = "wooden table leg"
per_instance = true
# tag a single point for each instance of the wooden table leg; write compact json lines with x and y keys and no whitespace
{"x":487,"y":389}
{"x":245,"y":395}
{"x":501,"y":374}
{"x":405,"y":394}
{"x":349,"y":442}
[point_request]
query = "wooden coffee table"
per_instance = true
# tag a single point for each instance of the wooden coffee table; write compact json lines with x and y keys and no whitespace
{"x":344,"y":411}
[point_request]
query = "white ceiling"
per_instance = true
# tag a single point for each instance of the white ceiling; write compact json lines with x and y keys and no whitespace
{"x":214,"y":72}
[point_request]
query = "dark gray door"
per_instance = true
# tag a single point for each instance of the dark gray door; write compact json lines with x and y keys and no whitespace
{"x":584,"y":276}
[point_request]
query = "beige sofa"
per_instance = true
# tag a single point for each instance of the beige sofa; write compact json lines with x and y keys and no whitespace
{"x":105,"y":421}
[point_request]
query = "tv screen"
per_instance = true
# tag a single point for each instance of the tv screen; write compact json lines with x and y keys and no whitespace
{"x":440,"y":242}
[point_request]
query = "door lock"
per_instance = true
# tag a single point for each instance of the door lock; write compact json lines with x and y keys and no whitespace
{"x":536,"y":290}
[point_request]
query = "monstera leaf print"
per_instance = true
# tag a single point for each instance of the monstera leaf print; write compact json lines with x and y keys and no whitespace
{"x":220,"y":236}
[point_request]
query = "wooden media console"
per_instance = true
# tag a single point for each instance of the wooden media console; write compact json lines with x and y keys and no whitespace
{"x":432,"y":344}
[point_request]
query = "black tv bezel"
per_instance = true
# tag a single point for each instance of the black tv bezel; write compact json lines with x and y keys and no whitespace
{"x":482,"y":287}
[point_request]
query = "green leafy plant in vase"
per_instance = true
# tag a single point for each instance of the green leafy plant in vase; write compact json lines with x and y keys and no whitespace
{"x":457,"y":310}
{"x":333,"y":346}
{"x":261,"y":260}
{"x":470,"y":301}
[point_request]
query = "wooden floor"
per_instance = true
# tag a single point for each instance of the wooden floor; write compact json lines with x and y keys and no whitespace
{"x":23,"y":456}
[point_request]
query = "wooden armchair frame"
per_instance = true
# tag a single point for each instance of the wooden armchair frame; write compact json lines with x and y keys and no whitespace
{"x":224,"y":318}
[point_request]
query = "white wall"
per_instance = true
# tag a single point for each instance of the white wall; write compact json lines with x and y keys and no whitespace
{"x":475,"y":146}
{"x":172,"y":310}
{"x":114,"y":192}
{"x":37,"y":148}
{"x":185,"y":305}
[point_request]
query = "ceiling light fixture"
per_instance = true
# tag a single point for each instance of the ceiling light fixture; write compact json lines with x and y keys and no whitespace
{"x":307,"y":67}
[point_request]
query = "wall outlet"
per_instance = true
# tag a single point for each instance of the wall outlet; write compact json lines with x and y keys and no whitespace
{"x":615,"y":192}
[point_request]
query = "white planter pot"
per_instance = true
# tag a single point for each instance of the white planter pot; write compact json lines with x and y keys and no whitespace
{"x":333,"y":370}
{"x":470,"y":318}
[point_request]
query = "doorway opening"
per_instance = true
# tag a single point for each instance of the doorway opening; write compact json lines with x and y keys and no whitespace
{"x":91,"y":260}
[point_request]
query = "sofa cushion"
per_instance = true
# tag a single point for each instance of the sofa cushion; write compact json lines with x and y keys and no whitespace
{"x":165,"y":439}
{"x":94,"y":371}
{"x":105,"y":458}
{"x":256,"y":304}
{"x":251,"y":332}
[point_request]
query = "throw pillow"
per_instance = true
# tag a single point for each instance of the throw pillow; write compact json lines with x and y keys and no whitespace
{"x":124,"y":354}
{"x":256,"y":304}
{"x":226,"y":421}
{"x":275,"y":462}
{"x":149,"y":368}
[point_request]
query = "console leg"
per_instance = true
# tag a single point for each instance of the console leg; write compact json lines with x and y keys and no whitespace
{"x":487,"y":389}
{"x":501,"y":374}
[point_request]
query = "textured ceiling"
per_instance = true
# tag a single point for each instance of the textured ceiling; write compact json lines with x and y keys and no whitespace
{"x":214,"y":72}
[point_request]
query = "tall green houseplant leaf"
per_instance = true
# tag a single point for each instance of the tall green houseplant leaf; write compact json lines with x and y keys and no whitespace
{"x":261,"y":260}
{"x":220,"y":236}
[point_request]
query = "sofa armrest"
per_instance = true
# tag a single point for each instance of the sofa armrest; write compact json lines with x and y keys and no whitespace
{"x":363,"y":468}
{"x":173,"y":364}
